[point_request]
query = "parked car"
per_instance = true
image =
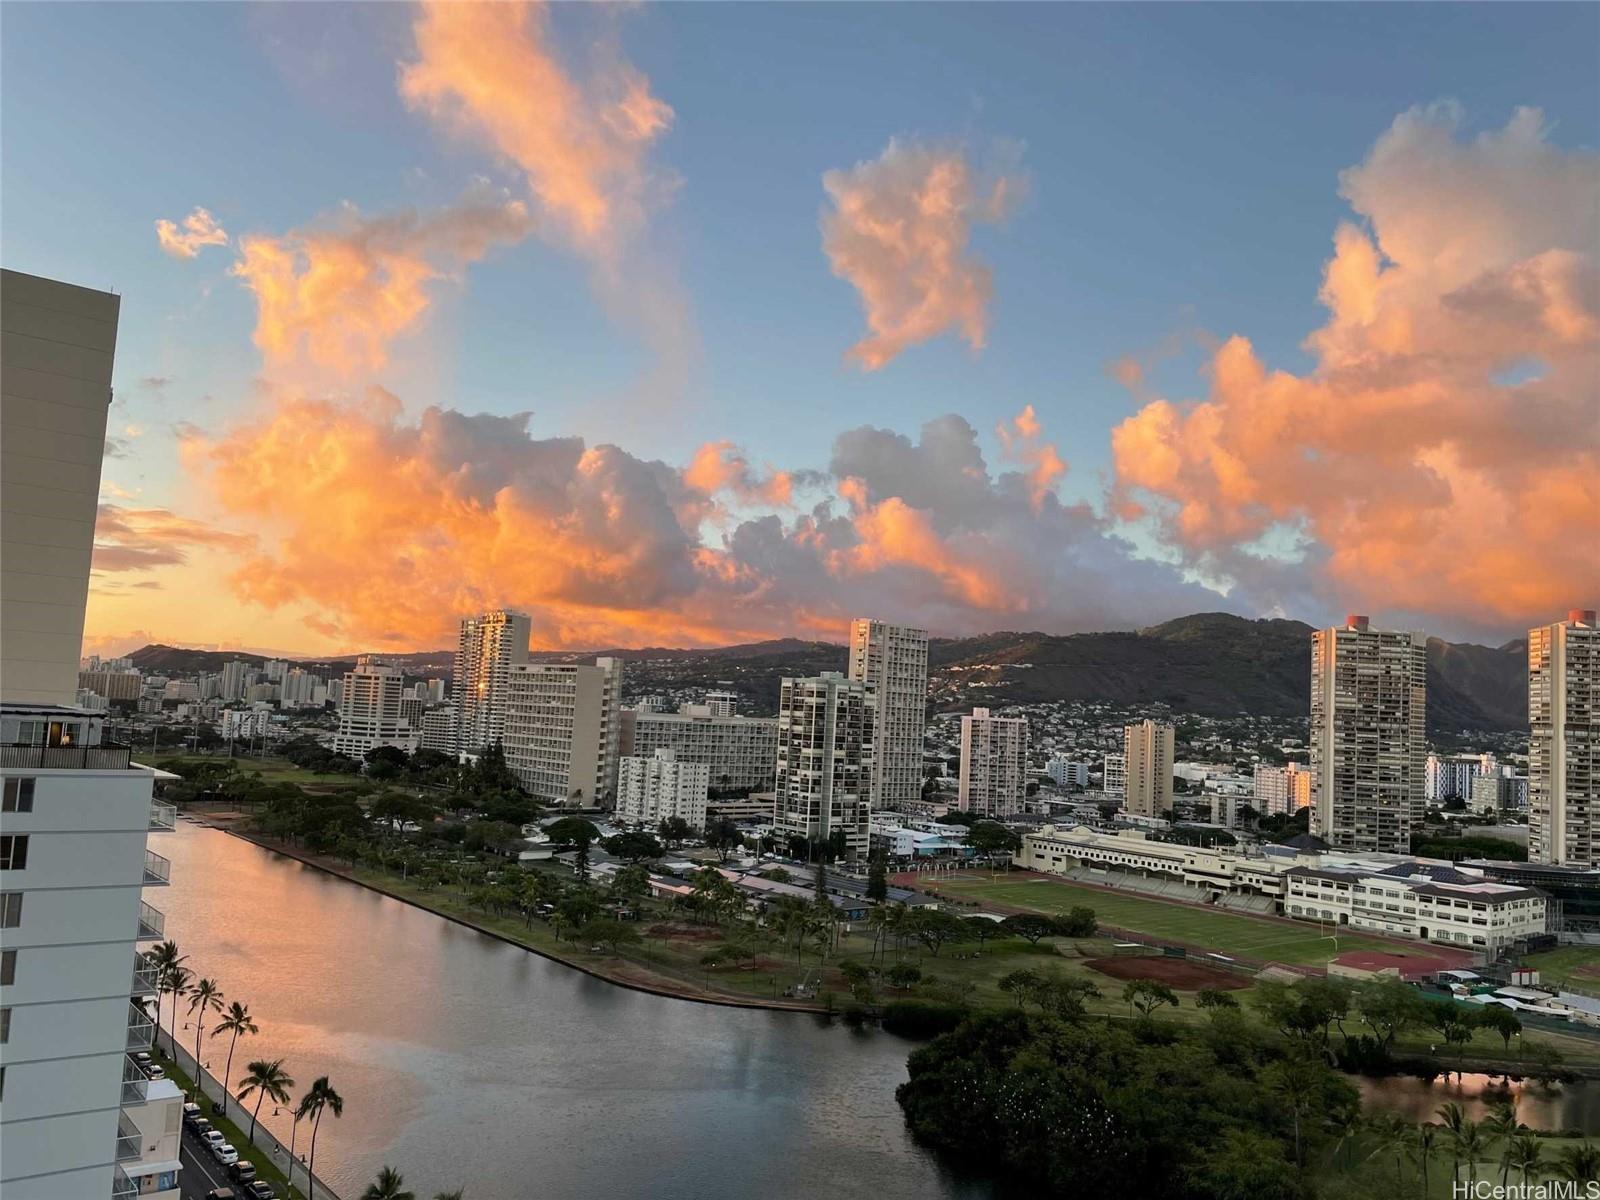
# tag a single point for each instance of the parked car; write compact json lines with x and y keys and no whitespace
{"x":221,"y":1194}
{"x":201,"y":1127}
{"x":212,"y":1137}
{"x":153,"y":1071}
{"x":191,"y":1113}
{"x":226,"y":1154}
{"x":259,"y":1191}
{"x":243,"y":1171}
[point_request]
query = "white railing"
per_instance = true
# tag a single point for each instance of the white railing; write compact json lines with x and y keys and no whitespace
{"x":141,"y":1029}
{"x":135,"y":1084}
{"x":152,"y":923}
{"x":122,"y":1188}
{"x":146,"y":979}
{"x":157,"y":870}
{"x":163,"y":817}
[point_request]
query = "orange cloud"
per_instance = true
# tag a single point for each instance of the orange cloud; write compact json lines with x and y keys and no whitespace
{"x":200,"y":229}
{"x":721,"y":466}
{"x":141,"y":539}
{"x":898,"y":231}
{"x":334,"y":295}
{"x":1444,"y":454}
{"x":1022,"y":443}
{"x":491,"y":71}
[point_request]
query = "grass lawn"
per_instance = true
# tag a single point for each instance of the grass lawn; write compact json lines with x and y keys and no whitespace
{"x":271,"y":770}
{"x":1224,"y":932}
{"x":1579,"y":965}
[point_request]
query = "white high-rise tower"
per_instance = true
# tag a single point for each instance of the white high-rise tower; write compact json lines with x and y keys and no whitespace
{"x":489,"y":647}
{"x":892,"y":661}
{"x":1564,"y":747}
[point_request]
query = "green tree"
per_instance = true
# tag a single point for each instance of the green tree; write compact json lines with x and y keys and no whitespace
{"x":234,"y":1022}
{"x":934,"y":927}
{"x":1579,"y":1164}
{"x":1030,"y":926}
{"x":674,"y":830}
{"x":1245,"y":1165}
{"x":1527,"y":1156}
{"x":610,"y":933}
{"x":1079,"y":922}
{"x":1215,"y":998}
{"x":266,"y":1080}
{"x":172,"y":979}
{"x":877,"y":880}
{"x":1021,"y":985}
{"x":319,"y":1098}
{"x":989,"y":838}
{"x":1501,"y":1126}
{"x":206,"y":996}
{"x":724,"y":837}
{"x":1502,"y":1020}
{"x":630,"y":885}
{"x":635,"y":847}
{"x":390,"y":1185}
{"x":1148,"y":995}
{"x":904,"y":975}
{"x":1389,"y":1007}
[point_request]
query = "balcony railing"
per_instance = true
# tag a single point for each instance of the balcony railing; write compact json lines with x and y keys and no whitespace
{"x":122,"y":1188}
{"x":157,"y":870}
{"x":135,"y":1084}
{"x":104,"y":757}
{"x":141,"y":1029}
{"x":146,"y":980}
{"x":163,"y":817}
{"x":129,"y":1141}
{"x":152,"y":923}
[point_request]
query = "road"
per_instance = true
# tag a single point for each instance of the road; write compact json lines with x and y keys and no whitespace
{"x":201,"y":1170}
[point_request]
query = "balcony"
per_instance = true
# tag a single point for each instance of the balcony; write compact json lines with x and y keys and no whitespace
{"x":141,"y":1029}
{"x":104,"y":757}
{"x":145,"y":979}
{"x":152,"y":923}
{"x":157,"y":870}
{"x":163,"y":817}
{"x":135,"y":1084}
{"x":122,"y":1188}
{"x":129,"y":1141}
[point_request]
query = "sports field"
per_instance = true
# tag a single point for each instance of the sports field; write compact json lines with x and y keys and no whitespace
{"x":1223,"y":932}
{"x":1577,"y":965}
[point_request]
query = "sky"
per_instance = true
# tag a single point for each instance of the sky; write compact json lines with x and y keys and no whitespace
{"x":693,"y":324}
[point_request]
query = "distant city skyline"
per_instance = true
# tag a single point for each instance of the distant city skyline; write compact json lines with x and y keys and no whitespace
{"x":1171,"y":288}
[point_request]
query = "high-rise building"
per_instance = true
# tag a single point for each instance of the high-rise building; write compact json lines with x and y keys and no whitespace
{"x":438,"y":730}
{"x":489,"y":646}
{"x":1064,"y":772}
{"x":74,"y":988}
{"x":1368,"y":739}
{"x":275,"y":669}
{"x":650,"y":790}
{"x":1147,"y":752}
{"x":994,"y":764}
{"x":298,"y":689}
{"x":369,"y":714}
{"x":235,"y":679}
{"x":825,"y":748}
{"x":740,"y":751}
{"x":563,"y":729}
{"x":1114,"y":775}
{"x":1564,"y":749}
{"x":1450,"y":777}
{"x":892,"y":661}
{"x":118,"y":686}
{"x":1282,"y":791}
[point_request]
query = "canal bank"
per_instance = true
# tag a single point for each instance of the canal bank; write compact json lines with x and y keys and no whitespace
{"x":630,"y":973}
{"x":463,"y":1060}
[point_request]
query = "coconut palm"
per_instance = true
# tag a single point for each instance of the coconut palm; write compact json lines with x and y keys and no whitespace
{"x":458,"y":1194}
{"x":172,"y":979}
{"x":1422,"y":1143}
{"x":1579,"y":1164}
{"x":389,"y":1185}
{"x":1502,"y":1126}
{"x":320,"y":1097}
{"x":235,"y":1021}
{"x":1472,"y":1148}
{"x":1527,"y":1156}
{"x":204,"y":995}
{"x":1393,"y":1134}
{"x":267,"y":1081}
{"x":1454,"y":1121}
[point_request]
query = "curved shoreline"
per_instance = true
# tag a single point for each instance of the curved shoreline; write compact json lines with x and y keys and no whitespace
{"x":667,"y":989}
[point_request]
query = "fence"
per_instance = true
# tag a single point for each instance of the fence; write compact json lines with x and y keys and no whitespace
{"x":264,"y":1138}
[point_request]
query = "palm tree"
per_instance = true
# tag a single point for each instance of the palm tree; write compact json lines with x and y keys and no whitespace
{"x":269,"y":1081}
{"x":1502,"y":1126}
{"x":1393,"y":1134}
{"x":321,"y":1096}
{"x":458,"y":1194}
{"x":235,"y":1021}
{"x":1527,"y":1155}
{"x":206,"y":995}
{"x":166,"y":960}
{"x":1455,"y":1120}
{"x":1472,"y":1148}
{"x":1580,"y":1164}
{"x":1422,"y":1141}
{"x":172,"y":978}
{"x":389,"y":1185}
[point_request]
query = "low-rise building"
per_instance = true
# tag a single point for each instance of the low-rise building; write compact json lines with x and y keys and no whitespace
{"x":654,"y":789}
{"x":1282,"y":790}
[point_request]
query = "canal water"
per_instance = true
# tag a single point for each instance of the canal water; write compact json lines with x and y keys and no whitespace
{"x":464,"y":1061}
{"x":1564,"y":1106}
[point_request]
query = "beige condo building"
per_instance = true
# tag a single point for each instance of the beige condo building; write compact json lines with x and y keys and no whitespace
{"x":1564,"y":746}
{"x":1147,"y":752}
{"x":892,"y":661}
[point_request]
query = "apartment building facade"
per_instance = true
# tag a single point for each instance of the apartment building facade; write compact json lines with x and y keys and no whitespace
{"x":994,"y":765}
{"x":370,"y":713}
{"x":741,"y":752}
{"x":563,"y":730}
{"x":1282,"y":791}
{"x":1368,"y":737}
{"x":1564,"y":746}
{"x":892,"y":661}
{"x":826,"y":729}
{"x":487,"y":648}
{"x":655,"y":788}
{"x":1147,"y":756}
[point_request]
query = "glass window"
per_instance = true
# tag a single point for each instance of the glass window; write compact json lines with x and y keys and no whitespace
{"x":18,"y":795}
{"x":13,"y":851}
{"x":8,"y":967}
{"x":10,"y":910}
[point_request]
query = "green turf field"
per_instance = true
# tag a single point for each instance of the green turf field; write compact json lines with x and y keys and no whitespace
{"x":1579,"y":965}
{"x":1223,"y":932}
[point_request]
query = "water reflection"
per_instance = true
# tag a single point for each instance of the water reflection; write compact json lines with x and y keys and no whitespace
{"x":1563,"y":1106}
{"x":465,"y":1061}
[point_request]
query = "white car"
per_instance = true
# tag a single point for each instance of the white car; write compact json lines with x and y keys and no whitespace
{"x":226,"y":1154}
{"x":214,"y":1138}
